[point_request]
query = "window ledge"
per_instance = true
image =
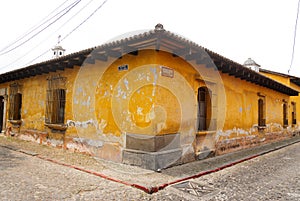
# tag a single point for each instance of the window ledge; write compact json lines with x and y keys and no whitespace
{"x":60,"y":127}
{"x":261,"y":127}
{"x":15,"y":122}
{"x":205,"y":132}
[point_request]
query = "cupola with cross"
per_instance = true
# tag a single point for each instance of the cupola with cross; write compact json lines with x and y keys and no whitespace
{"x":58,"y":51}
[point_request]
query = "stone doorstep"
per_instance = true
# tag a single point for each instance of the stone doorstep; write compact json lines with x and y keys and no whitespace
{"x":205,"y":154}
{"x":152,"y":160}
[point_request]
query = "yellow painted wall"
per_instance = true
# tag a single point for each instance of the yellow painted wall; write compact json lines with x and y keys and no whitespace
{"x":242,"y":103}
{"x":286,"y":81}
{"x":33,"y":91}
{"x":104,"y":103}
{"x":282,"y":79}
{"x":138,"y":100}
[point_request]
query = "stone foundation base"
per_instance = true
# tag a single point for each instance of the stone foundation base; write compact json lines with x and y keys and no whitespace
{"x":235,"y":144}
{"x":34,"y":136}
{"x":105,"y":150}
{"x":152,"y":160}
{"x":155,"y":152}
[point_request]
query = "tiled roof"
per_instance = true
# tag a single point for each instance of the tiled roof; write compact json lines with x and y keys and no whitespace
{"x":293,"y":79}
{"x":158,"y":39}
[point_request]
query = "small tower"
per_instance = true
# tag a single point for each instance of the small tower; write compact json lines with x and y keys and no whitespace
{"x":249,"y":63}
{"x":58,"y":51}
{"x":159,"y":27}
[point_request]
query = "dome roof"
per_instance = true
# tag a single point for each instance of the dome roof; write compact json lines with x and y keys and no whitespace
{"x":250,"y":62}
{"x":58,"y":47}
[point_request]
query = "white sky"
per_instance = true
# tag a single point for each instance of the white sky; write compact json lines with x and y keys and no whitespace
{"x":236,"y":29}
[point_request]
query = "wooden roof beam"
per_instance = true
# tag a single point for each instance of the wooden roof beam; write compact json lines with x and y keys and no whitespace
{"x":225,"y":68}
{"x":182,"y":51}
{"x":29,"y":73}
{"x":90,"y":60}
{"x":114,"y":53}
{"x":192,"y":56}
{"x":101,"y":57}
{"x":130,"y":50}
{"x":60,"y":66}
{"x":50,"y":68}
{"x":203,"y":60}
{"x":157,"y":44}
{"x":240,"y":74}
{"x":76,"y":61}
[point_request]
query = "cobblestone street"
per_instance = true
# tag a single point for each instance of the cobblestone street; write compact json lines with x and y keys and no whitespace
{"x":25,"y":177}
{"x":273,"y":176}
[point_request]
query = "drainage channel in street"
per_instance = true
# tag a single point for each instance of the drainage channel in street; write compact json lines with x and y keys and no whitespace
{"x":195,"y":189}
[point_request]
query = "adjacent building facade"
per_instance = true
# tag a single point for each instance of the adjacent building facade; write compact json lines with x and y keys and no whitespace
{"x":153,"y":100}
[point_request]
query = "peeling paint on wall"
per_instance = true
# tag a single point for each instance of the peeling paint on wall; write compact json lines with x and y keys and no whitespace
{"x":227,"y":134}
{"x":83,"y":124}
{"x":89,"y":142}
{"x":102,"y":125}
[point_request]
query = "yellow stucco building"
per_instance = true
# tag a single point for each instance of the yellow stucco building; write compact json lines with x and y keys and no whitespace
{"x":151,"y":100}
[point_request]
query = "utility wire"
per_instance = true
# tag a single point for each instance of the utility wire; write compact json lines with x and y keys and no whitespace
{"x":46,"y":39}
{"x":295,"y":33}
{"x":85,"y":20}
{"x":38,"y":57}
{"x":68,"y":10}
{"x":35,"y":27}
{"x":74,"y":16}
{"x":71,"y":31}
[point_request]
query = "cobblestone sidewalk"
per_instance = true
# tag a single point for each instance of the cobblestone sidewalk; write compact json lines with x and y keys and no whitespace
{"x":132,"y":174}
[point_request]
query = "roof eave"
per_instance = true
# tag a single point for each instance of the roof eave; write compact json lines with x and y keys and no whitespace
{"x":158,"y":39}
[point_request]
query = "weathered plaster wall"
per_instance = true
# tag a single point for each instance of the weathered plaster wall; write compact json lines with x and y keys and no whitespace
{"x":286,"y":80}
{"x":242,"y":104}
{"x":33,"y":102}
{"x":241,"y":123}
{"x":138,"y":100}
{"x":282,"y":79}
{"x":105,"y":102}
{"x":33,"y":91}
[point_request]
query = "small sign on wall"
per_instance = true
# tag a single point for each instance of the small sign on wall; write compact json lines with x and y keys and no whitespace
{"x":167,"y":72}
{"x":123,"y":67}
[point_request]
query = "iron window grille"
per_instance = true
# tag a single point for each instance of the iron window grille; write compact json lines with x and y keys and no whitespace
{"x":15,"y":102}
{"x":56,"y":100}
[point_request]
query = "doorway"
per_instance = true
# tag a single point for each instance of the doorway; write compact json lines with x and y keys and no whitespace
{"x":204,"y":108}
{"x":1,"y":112}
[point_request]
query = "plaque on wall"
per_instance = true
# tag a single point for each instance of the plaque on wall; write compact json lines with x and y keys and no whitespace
{"x":167,"y":72}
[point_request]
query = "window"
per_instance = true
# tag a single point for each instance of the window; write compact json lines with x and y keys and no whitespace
{"x":15,"y":102}
{"x":285,"y":114}
{"x":294,"y":119}
{"x":204,"y":108}
{"x":56,"y":100}
{"x":261,"y":112}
